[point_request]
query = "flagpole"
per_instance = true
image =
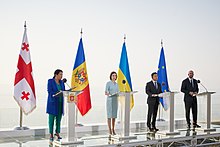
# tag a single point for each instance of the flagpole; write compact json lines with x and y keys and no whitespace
{"x":20,"y":118}
{"x":81,"y":32}
{"x":77,"y":111}
{"x":21,"y":113}
{"x":160,"y":106}
{"x":124,"y":81}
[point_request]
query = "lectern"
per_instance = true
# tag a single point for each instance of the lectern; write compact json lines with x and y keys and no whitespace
{"x":171,"y":122}
{"x":71,"y":97}
{"x":208,"y":113}
{"x":125,"y":116}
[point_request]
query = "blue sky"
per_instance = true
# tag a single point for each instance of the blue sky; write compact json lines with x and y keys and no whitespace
{"x":190,"y":30}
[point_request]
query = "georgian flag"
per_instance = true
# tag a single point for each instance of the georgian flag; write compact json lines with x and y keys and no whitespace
{"x":24,"y":90}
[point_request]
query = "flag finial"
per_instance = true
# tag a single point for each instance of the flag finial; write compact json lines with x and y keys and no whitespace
{"x":81,"y":32}
{"x":124,"y":37}
{"x":25,"y":24}
{"x":161,"y":42}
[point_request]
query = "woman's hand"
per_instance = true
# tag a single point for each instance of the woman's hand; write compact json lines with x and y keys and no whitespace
{"x":106,"y":93}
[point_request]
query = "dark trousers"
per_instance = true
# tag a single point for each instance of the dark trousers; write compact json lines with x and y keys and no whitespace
{"x":152,"y":114}
{"x":188,"y":105}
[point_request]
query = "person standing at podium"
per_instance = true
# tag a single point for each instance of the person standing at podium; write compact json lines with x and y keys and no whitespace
{"x":153,"y":88}
{"x":190,"y":89}
{"x":55,"y":103}
{"x":111,"y":91}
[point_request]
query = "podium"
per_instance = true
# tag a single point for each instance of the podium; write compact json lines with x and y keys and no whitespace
{"x":171,"y":122}
{"x":208,"y":113}
{"x":125,"y":117}
{"x":71,"y":135}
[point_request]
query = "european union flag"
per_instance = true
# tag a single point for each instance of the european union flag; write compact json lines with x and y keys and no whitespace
{"x":162,"y":78}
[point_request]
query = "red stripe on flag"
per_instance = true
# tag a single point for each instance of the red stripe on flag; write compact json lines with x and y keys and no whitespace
{"x":84,"y":101}
{"x":24,"y":71}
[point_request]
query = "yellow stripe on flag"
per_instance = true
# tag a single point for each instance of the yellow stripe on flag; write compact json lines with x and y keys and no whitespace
{"x":124,"y":87}
{"x":80,"y":77}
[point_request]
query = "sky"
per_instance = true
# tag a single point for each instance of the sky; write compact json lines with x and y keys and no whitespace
{"x":190,"y":30}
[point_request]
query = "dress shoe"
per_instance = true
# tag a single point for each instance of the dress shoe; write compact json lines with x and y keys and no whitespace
{"x":155,"y":129}
{"x":196,"y":126}
{"x":150,"y":129}
{"x":188,"y":127}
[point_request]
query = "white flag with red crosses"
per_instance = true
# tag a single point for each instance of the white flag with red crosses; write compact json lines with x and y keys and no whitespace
{"x":24,"y":90}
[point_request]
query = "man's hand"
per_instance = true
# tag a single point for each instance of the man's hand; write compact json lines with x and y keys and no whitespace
{"x":191,"y":93}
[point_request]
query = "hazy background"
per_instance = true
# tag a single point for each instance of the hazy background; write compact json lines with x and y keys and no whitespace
{"x":190,"y":30}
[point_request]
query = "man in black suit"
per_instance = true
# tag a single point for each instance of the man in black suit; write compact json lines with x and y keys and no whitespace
{"x":153,"y":88}
{"x":190,"y":89}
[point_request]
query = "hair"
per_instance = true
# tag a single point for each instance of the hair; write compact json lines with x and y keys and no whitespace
{"x":113,"y":72}
{"x":154,"y":73}
{"x":56,"y":72}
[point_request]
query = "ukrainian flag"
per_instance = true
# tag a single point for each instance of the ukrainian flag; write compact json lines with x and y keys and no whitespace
{"x":80,"y":81}
{"x":124,"y":75}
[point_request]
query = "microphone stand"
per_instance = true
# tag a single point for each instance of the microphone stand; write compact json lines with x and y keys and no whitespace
{"x":198,"y":81}
{"x":204,"y":87}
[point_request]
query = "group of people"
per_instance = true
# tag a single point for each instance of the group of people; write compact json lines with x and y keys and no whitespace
{"x":189,"y":87}
{"x":55,"y":103}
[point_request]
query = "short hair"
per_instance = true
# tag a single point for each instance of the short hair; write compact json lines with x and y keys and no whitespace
{"x":56,"y":72}
{"x":190,"y":71}
{"x":154,"y":73}
{"x":113,"y":72}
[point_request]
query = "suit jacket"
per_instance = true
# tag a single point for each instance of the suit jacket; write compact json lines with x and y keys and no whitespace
{"x":53,"y":102}
{"x":187,"y":87}
{"x":151,"y":89}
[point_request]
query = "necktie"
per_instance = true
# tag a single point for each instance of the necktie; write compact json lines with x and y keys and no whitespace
{"x":191,"y":81}
{"x":155,"y":84}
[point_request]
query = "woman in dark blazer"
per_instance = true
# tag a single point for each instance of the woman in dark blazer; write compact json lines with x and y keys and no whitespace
{"x":55,"y":103}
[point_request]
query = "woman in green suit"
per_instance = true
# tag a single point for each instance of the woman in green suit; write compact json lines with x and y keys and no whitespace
{"x":55,"y":103}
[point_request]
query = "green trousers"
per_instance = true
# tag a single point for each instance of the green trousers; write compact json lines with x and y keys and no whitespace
{"x":57,"y":119}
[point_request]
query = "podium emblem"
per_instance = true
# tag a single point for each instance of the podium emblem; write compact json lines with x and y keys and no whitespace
{"x":71,"y":98}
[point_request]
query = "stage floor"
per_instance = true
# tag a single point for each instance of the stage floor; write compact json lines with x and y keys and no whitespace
{"x":101,"y":138}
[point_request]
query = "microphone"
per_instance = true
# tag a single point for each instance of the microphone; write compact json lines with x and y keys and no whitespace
{"x":65,"y":81}
{"x":198,"y":81}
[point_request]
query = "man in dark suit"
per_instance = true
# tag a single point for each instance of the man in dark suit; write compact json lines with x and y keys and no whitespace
{"x":153,"y":88}
{"x":190,"y":89}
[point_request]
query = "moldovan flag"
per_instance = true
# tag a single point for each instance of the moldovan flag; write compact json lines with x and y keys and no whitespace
{"x":24,"y":90}
{"x":124,"y":78}
{"x":80,"y":81}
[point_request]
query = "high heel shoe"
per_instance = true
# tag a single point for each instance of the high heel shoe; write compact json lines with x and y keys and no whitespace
{"x":51,"y":138}
{"x":58,"y":136}
{"x":113,"y":132}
